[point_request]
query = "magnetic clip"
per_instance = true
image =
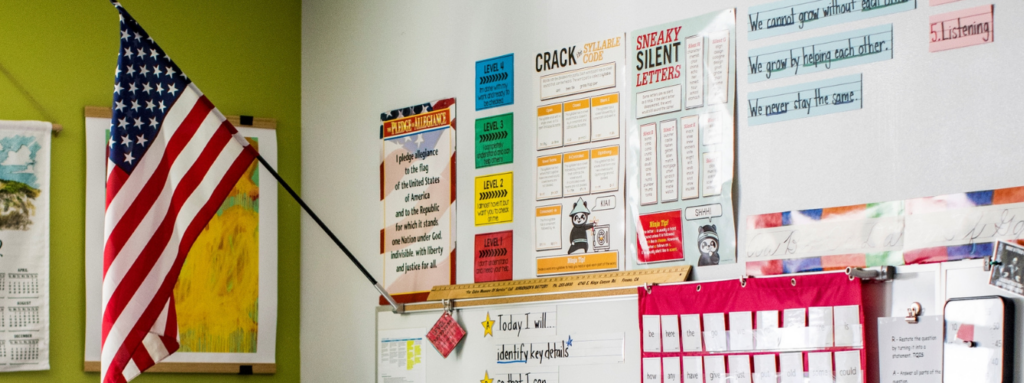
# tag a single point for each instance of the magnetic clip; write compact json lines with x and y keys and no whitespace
{"x":448,"y":305}
{"x":912,"y":312}
{"x":881,"y":273}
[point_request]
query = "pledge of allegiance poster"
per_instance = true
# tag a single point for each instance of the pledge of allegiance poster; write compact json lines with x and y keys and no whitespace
{"x":578,"y":206}
{"x":681,"y":144}
{"x":418,"y":198}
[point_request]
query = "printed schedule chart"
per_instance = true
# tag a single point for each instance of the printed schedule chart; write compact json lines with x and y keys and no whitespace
{"x":22,"y":319}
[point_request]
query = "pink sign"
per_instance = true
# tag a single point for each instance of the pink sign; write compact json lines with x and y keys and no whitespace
{"x":963,"y":28}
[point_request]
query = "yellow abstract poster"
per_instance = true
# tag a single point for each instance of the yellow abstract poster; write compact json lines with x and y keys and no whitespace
{"x":217,"y":294}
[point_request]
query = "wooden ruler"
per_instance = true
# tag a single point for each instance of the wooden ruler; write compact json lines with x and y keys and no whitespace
{"x":569,"y":283}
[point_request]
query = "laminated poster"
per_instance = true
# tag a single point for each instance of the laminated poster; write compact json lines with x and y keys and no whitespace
{"x":578,"y":208}
{"x":681,"y":143}
{"x":418,"y":199}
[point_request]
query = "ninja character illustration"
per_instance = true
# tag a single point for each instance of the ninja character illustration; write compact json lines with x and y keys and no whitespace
{"x":707,"y":243}
{"x":578,"y":236}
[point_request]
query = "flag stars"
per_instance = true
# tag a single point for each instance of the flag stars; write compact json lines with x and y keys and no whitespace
{"x":128,"y":53}
{"x":111,"y":143}
{"x":150,"y":105}
{"x":119,"y":105}
{"x":138,"y":37}
{"x":135,"y":105}
{"x":141,"y":140}
{"x":153,"y":54}
{"x":117,"y":72}
{"x":170,"y":71}
{"x":145,"y":86}
{"x":143,"y":70}
{"x":122,"y":123}
{"x":156,"y":71}
{"x":124,"y":32}
{"x":172,"y":89}
{"x":126,"y":141}
{"x":153,"y":123}
{"x":160,"y":89}
{"x":141,"y":54}
{"x":138,"y":122}
{"x":128,"y":158}
{"x":162,"y":107}
{"x":132,"y":88}
{"x":131,"y":70}
{"x":118,"y":88}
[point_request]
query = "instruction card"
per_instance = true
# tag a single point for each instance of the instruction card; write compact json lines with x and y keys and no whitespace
{"x":817,"y":98}
{"x":910,"y":352}
{"x":680,"y":196}
{"x":578,"y":206}
{"x":789,"y":16}
{"x":495,"y":82}
{"x":820,"y":54}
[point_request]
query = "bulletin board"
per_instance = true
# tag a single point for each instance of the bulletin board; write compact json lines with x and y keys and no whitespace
{"x":910,"y":120}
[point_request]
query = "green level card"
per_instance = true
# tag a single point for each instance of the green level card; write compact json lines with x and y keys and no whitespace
{"x":494,"y":141}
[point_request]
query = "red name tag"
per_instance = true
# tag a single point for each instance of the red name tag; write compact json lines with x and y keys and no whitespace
{"x":446,"y":334}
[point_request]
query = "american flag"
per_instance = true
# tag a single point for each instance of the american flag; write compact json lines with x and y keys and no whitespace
{"x":173,"y":158}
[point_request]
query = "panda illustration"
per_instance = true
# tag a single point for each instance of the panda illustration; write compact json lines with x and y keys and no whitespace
{"x":578,"y":235}
{"x":707,"y":243}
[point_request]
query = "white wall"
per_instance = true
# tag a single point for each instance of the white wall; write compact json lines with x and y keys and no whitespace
{"x":931,"y":123}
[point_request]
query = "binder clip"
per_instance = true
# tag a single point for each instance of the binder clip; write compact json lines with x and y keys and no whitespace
{"x":912,"y":312}
{"x":448,"y":305}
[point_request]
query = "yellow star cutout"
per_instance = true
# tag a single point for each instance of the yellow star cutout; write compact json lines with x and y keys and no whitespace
{"x":486,"y":379}
{"x":488,"y":326}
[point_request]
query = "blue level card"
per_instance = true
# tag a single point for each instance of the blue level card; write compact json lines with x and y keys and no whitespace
{"x":494,"y":82}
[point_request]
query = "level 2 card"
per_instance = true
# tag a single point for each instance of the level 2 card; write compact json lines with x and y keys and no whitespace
{"x":652,"y":333}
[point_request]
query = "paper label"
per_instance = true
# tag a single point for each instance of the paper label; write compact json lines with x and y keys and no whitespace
{"x":493,"y":257}
{"x":963,"y":28}
{"x":495,"y":82}
{"x":549,"y":177}
{"x":652,"y":370}
{"x":604,"y":169}
{"x":848,"y":367}
{"x":547,"y":229}
{"x":819,"y":367}
{"x":741,"y":333}
{"x":692,"y":370}
{"x":648,"y":164}
{"x":819,"y":322}
{"x":521,"y":322}
{"x":577,"y":81}
{"x":788,"y":16}
{"x":494,"y":141}
{"x":401,"y":356}
{"x":739,"y":368}
{"x":659,"y":101}
{"x":694,"y":72}
{"x":712,"y":168}
{"x":604,"y":117}
{"x":661,"y":238}
{"x":768,"y":335}
{"x":578,"y":263}
{"x":835,"y":95}
{"x":718,"y":67}
{"x":549,"y":126}
{"x":670,"y":333}
{"x":576,"y":173}
{"x":791,"y":367}
{"x":561,"y":350}
{"x":1008,"y":273}
{"x":764,"y":369}
{"x":690,"y":153}
{"x":848,"y":331}
{"x":493,"y":199}
{"x":652,"y":333}
{"x":669,"y":162}
{"x":910,"y":352}
{"x":714,"y":332}
{"x":671,"y":370}
{"x":577,"y":121}
{"x":714,"y":369}
{"x":820,"y":54}
{"x":446,"y":334}
{"x":689,"y":326}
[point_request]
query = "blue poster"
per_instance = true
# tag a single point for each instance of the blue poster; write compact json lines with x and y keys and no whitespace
{"x":494,"y":82}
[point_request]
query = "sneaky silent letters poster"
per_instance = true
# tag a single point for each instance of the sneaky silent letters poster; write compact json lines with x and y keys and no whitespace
{"x":417,"y":240}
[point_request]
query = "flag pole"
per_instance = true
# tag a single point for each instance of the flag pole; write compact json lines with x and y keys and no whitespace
{"x":396,"y":307}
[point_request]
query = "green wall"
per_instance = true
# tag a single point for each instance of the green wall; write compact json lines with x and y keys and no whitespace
{"x":244,"y":55}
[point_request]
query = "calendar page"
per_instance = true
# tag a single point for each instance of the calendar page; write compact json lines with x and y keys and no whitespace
{"x":24,"y":245}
